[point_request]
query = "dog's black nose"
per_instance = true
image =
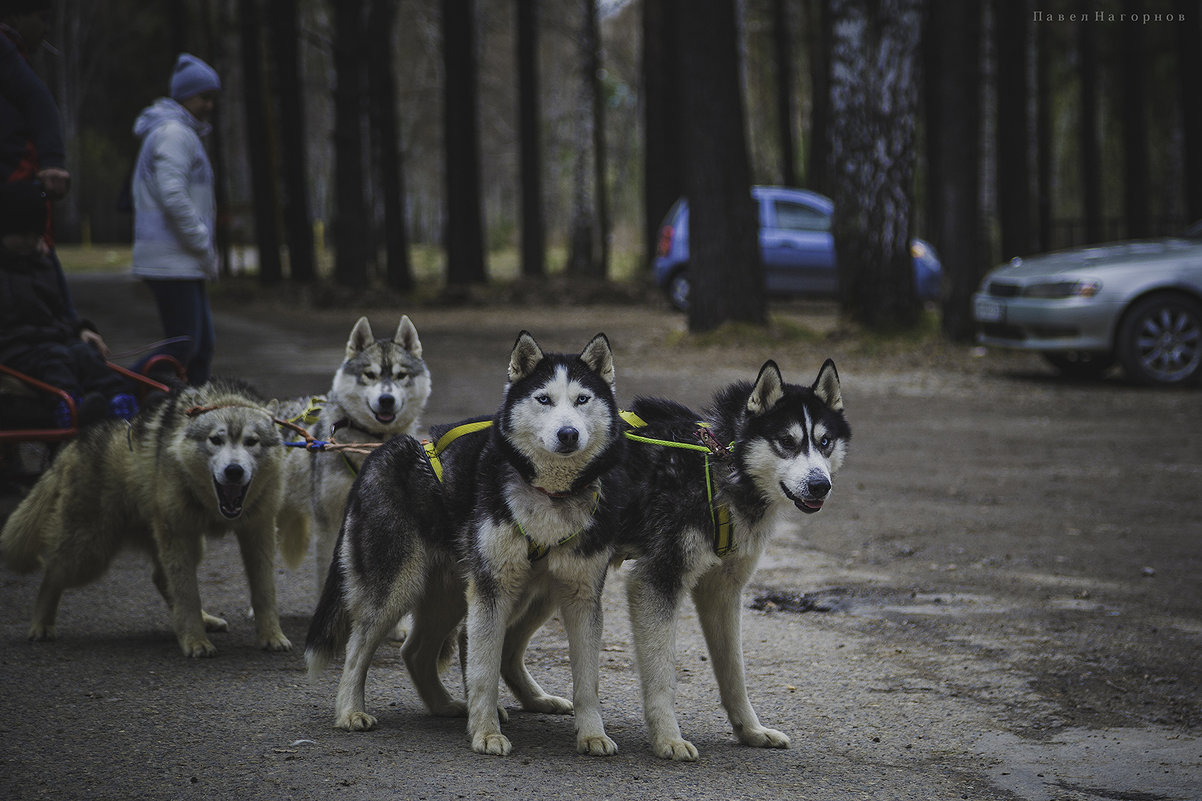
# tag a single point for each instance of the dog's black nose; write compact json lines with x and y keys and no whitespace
{"x":568,"y":436}
{"x":818,"y":487}
{"x":234,"y":472}
{"x":386,"y":402}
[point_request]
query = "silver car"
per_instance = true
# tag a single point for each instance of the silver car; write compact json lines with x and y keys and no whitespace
{"x":1139,"y":303}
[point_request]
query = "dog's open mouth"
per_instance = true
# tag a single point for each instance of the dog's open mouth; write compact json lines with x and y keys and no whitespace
{"x":230,"y":498}
{"x":807,"y":505}
{"x":384,"y":417}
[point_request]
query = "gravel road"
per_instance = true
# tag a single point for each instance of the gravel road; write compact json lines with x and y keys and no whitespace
{"x":1000,"y":601}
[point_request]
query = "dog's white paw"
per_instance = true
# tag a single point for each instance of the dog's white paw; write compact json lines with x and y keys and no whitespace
{"x":356,"y":721}
{"x":763,"y":738}
{"x":549,"y":705}
{"x":597,"y":745}
{"x":39,"y":632}
{"x":214,"y":623}
{"x":197,"y":647}
{"x":676,"y":749}
{"x":275,"y":642}
{"x":494,"y":744}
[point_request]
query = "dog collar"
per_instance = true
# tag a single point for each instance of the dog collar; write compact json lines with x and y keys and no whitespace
{"x":724,"y":539}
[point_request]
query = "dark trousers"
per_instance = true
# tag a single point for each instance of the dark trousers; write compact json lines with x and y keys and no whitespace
{"x":184,"y":311}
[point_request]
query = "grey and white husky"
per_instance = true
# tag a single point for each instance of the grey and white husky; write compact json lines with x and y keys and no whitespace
{"x":523,"y":519}
{"x":203,"y":461}
{"x":768,"y":448}
{"x":379,"y":391}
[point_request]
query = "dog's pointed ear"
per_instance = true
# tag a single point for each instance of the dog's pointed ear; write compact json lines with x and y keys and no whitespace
{"x":599,"y":357}
{"x":768,"y":390}
{"x":826,"y":386}
{"x":406,"y":336}
{"x":361,"y":337}
{"x":525,"y":357}
{"x":273,"y":407}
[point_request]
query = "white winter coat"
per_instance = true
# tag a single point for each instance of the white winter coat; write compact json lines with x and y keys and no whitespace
{"x":175,"y":212}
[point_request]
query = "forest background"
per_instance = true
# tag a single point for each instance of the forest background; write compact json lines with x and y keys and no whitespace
{"x":463,"y":141}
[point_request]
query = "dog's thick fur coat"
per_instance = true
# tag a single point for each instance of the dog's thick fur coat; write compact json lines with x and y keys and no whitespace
{"x":787,"y":442}
{"x":544,"y":474}
{"x":202,"y":461}
{"x":380,"y":390}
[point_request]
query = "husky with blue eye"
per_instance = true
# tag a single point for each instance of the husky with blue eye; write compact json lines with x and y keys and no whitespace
{"x":707,"y":491}
{"x":501,"y":520}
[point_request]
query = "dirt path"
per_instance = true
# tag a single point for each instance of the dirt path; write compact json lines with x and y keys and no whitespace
{"x":1008,"y":570}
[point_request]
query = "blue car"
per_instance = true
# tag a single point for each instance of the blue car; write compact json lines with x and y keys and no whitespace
{"x":795,"y":244}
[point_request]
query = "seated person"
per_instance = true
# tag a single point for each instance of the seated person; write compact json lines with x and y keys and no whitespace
{"x":40,"y":333}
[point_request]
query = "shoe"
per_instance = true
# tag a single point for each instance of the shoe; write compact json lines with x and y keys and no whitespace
{"x":123,"y":406}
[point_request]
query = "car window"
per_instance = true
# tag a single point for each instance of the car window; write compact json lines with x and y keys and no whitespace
{"x":797,"y":217}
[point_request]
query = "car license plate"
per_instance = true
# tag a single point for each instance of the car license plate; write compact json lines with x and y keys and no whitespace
{"x":989,"y":311}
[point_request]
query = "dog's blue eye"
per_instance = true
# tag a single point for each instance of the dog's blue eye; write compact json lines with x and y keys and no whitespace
{"x":544,"y":399}
{"x":583,"y":399}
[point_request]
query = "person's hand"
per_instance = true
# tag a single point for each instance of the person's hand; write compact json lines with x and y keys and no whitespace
{"x":56,"y":182}
{"x":96,"y":341}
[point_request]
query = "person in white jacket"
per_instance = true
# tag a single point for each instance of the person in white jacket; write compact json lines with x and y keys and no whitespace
{"x":175,"y":213}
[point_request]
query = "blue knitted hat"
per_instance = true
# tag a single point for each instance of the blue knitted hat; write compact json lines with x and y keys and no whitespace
{"x":191,"y":77}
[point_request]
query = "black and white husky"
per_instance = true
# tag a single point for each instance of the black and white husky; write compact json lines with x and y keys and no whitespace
{"x":706,"y":494}
{"x":519,"y":512}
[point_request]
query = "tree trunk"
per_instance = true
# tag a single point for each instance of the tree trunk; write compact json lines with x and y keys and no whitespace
{"x":530,"y":167}
{"x":782,"y":37}
{"x":1134,"y":125}
{"x":663,"y":183}
{"x":1091,"y":159}
{"x":350,"y":212}
{"x":1044,"y":132}
{"x":259,"y":147}
{"x":818,"y":161}
{"x":587,"y":248}
{"x":1189,"y":53}
{"x":465,"y":225}
{"x":724,"y":257}
{"x":298,"y":224}
{"x":386,"y":138}
{"x":874,"y":101}
{"x":1011,"y":23}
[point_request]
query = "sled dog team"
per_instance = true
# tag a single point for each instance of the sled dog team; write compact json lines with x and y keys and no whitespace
{"x":480,"y":532}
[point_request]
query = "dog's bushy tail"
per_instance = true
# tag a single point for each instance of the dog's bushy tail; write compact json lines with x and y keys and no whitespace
{"x":330,"y":626}
{"x":22,"y":539}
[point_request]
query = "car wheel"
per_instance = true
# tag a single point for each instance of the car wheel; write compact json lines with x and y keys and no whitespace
{"x":678,"y":290}
{"x":1160,"y":341}
{"x":1080,"y":364}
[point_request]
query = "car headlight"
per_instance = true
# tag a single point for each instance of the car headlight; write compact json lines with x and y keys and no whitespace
{"x":1059,"y":290}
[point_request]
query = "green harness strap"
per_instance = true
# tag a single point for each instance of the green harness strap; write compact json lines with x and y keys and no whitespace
{"x":534,"y":550}
{"x":724,"y":541}
{"x":434,"y":449}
